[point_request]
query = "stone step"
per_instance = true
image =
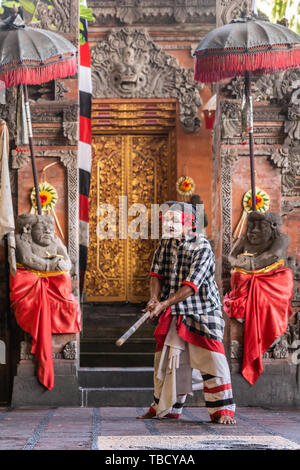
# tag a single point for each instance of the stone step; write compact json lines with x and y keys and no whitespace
{"x":116,"y":396}
{"x":105,"y":359}
{"x":108,"y":345}
{"x":115,"y":377}
{"x":121,"y":386}
{"x":102,"y":352}
{"x":123,"y":396}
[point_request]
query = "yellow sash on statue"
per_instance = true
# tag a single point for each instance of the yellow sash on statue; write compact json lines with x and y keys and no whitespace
{"x":260,"y":271}
{"x":42,"y":273}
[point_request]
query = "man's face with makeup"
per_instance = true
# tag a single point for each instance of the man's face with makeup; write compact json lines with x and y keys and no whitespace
{"x":172,"y":224}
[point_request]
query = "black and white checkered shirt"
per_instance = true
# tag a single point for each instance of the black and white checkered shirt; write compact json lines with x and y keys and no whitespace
{"x":191,"y":262}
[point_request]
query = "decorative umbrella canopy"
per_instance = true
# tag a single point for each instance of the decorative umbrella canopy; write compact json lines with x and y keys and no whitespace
{"x":244,"y":46}
{"x":32,"y":56}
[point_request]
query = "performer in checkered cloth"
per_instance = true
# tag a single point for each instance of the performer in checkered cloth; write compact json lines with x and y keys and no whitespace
{"x":189,"y":336}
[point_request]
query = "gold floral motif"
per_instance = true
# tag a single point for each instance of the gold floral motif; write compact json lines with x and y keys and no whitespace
{"x":136,"y":166}
{"x":136,"y":158}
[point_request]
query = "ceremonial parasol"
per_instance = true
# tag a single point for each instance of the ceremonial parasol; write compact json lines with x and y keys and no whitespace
{"x":31,"y":56}
{"x":246,"y":45}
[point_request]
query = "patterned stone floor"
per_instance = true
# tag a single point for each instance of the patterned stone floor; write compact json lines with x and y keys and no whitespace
{"x":118,"y":429}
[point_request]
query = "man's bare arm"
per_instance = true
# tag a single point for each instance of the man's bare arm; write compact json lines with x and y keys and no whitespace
{"x":155,"y":288}
{"x":183,"y":293}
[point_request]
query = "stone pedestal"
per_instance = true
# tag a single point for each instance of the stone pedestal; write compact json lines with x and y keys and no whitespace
{"x":27,"y":390}
{"x":276,"y":387}
{"x":279,"y":383}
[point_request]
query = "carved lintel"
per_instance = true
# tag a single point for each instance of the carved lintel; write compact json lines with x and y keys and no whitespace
{"x":67,"y":157}
{"x":168,"y":12}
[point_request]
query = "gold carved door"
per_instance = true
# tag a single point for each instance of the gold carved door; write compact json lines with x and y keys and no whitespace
{"x":129,"y":174}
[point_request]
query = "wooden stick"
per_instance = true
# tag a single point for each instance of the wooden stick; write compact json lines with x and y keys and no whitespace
{"x":131,"y":330}
{"x":251,"y":138}
{"x":33,"y":161}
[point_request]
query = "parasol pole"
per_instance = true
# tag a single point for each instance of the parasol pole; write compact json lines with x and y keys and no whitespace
{"x":251,"y":137}
{"x":30,"y":139}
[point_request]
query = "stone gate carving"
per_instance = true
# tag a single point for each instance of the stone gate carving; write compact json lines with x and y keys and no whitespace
{"x":128,"y":64}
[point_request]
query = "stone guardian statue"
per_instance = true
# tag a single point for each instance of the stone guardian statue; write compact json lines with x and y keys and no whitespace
{"x":261,"y":288}
{"x":40,"y":292}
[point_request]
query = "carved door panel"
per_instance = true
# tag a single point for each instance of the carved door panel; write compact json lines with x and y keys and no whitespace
{"x":130,"y":172}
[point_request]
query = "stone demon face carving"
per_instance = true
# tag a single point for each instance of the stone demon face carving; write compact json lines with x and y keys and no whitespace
{"x":129,"y":73}
{"x":128,"y":64}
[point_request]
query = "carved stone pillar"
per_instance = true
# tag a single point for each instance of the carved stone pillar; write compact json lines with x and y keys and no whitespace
{"x":277,"y":155}
{"x":54,"y":109}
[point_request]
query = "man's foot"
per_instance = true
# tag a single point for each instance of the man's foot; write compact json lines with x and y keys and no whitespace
{"x":224,"y":419}
{"x":148,"y":415}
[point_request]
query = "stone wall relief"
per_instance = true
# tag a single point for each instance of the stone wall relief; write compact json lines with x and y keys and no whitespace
{"x":277,"y":98}
{"x":62,"y":17}
{"x":282,"y":91}
{"x":128,"y":64}
{"x":228,"y":10}
{"x":128,"y":12}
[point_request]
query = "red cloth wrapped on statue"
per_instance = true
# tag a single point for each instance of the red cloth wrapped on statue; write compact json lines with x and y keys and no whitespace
{"x":263,"y":299}
{"x":43,"y":304}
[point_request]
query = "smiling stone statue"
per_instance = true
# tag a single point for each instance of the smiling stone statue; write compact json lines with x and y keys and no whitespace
{"x":262,"y":245}
{"x":41,"y":291}
{"x":261,"y":288}
{"x":37,"y":245}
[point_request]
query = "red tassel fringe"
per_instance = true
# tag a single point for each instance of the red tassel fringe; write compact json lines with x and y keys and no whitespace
{"x":212,"y":68}
{"x":34,"y":75}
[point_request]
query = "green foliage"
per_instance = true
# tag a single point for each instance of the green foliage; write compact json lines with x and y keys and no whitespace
{"x":276,"y":10}
{"x":85,"y":13}
{"x":11,"y":4}
{"x":26,"y":4}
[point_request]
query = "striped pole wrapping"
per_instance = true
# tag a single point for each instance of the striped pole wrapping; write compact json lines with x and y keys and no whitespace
{"x":84,"y":150}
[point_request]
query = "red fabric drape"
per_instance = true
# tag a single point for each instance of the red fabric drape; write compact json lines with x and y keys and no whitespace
{"x":42,"y":306}
{"x":162,"y":329}
{"x":264,"y":301}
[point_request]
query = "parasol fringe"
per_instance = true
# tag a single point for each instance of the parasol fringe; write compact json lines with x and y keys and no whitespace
{"x":212,"y":68}
{"x":36,"y":75}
